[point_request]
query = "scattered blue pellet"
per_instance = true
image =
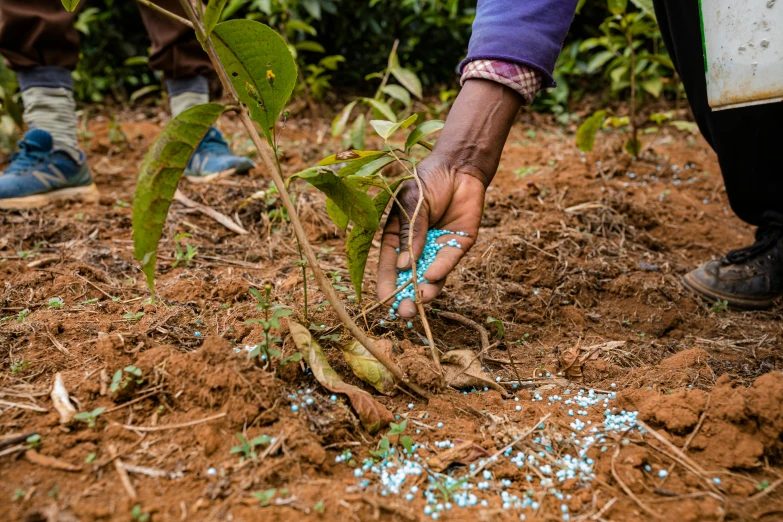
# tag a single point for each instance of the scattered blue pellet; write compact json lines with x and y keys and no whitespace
{"x":197,"y":334}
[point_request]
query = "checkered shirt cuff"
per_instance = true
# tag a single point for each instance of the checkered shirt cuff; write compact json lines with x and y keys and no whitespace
{"x":524,"y":80}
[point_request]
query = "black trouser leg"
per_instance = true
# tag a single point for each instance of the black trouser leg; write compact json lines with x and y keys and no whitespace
{"x":747,"y":140}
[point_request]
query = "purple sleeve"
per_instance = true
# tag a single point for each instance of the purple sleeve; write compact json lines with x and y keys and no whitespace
{"x":525,"y":32}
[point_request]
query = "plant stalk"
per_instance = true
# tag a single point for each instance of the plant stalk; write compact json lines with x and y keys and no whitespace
{"x":164,"y":12}
{"x":634,"y":130}
{"x":301,"y":235}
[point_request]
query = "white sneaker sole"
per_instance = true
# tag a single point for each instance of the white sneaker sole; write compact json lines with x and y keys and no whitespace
{"x":86,"y":194}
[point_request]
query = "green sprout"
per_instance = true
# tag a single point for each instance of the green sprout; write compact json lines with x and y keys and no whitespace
{"x":268,"y":323}
{"x":89,"y":416}
{"x":56,"y":302}
{"x":248,"y":448}
{"x":180,"y":254}
{"x":122,"y":378}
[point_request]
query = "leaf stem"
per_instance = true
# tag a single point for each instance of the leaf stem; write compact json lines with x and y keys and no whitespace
{"x":307,"y":249}
{"x":416,"y":290}
{"x":387,"y":72}
{"x":164,"y":12}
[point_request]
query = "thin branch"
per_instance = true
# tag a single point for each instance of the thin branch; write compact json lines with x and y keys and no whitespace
{"x":162,"y":11}
{"x":417,"y":292}
{"x":309,"y":254}
{"x":388,"y":69}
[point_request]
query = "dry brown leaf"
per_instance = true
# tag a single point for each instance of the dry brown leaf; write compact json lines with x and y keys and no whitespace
{"x":368,"y":368}
{"x":372,"y":414}
{"x":571,"y":361}
{"x":462,"y":369}
{"x":61,"y":400}
{"x":464,"y":452}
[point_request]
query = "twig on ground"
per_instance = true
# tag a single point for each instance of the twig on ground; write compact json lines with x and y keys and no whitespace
{"x":174,"y":426}
{"x":9,"y":440}
{"x":628,"y":491}
{"x":416,"y":290}
{"x":32,"y":407}
{"x":124,"y":478}
{"x":490,"y":460}
{"x":49,"y":462}
{"x":681,"y":457}
{"x":13,"y":449}
{"x":209,"y":212}
{"x":134,"y":401}
{"x":698,"y":425}
{"x":459,"y":318}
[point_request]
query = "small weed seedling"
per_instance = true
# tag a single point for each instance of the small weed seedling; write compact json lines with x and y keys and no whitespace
{"x":56,"y":302}
{"x":183,"y":254}
{"x":90,"y":458}
{"x":447,"y":486}
{"x":265,"y":497}
{"x":18,"y":494}
{"x":761,"y":486}
{"x":133,"y":317}
{"x":22,"y":315}
{"x":137,"y":515}
{"x":498,"y":326}
{"x":385,"y":444}
{"x":89,"y":416}
{"x":122,"y":378}
{"x":319,"y":507}
{"x":268,"y":323}
{"x":719,"y":307}
{"x":18,"y":367}
{"x":248,"y":448}
{"x":33,"y":441}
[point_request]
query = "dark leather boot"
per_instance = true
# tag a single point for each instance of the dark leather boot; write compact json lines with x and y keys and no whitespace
{"x":750,"y":278}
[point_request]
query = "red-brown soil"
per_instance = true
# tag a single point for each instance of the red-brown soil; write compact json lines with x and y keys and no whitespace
{"x":572,"y":254}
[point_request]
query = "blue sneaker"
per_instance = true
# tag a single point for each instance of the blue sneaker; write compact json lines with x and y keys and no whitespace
{"x":212,"y":156}
{"x":39,"y":175}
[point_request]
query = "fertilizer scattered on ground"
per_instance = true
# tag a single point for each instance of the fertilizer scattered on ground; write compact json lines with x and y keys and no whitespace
{"x":553,"y":458}
{"x":431,"y":249}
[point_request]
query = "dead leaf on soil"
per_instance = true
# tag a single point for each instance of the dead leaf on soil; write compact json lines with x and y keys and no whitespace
{"x":462,"y":369}
{"x":572,"y":360}
{"x":61,"y":400}
{"x":372,"y":414}
{"x":464,"y":452}
{"x":368,"y":368}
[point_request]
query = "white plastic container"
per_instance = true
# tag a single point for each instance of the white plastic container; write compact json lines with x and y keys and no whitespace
{"x":743,"y":51}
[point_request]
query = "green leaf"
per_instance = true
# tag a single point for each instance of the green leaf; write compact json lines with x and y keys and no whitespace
{"x":386,"y":129}
{"x":685,"y":126}
{"x":158,"y":177}
{"x":352,"y":202}
{"x":408,"y":79}
{"x":358,"y":132}
{"x":310,"y":46}
{"x":381,"y":107}
{"x":368,"y":368}
{"x":372,"y":414}
{"x":654,"y":86}
{"x":357,"y":246}
{"x":313,"y":8}
{"x":349,"y":156}
{"x":422,"y":131}
{"x":633,"y":147}
{"x":340,"y":121}
{"x":70,"y":5}
{"x":357,"y":166}
{"x":498,"y":326}
{"x":617,"y":7}
{"x":660,"y":117}
{"x":398,"y":93}
{"x":598,"y":60}
{"x":298,"y":25}
{"x":645,"y":6}
{"x":370,"y":169}
{"x":407,"y":443}
{"x":585,"y":135}
{"x":337,"y":216}
{"x":260,"y":66}
{"x":212,"y":14}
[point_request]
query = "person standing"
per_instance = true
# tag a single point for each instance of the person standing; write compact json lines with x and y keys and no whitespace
{"x":39,"y":42}
{"x":512,"y":53}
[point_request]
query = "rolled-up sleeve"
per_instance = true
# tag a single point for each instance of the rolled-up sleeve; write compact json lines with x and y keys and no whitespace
{"x":525,"y":32}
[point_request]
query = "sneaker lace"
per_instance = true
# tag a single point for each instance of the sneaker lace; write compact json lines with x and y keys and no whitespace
{"x":25,"y":158}
{"x":767,"y":236}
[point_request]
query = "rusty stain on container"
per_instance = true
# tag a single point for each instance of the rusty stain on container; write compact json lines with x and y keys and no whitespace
{"x":743,"y":52}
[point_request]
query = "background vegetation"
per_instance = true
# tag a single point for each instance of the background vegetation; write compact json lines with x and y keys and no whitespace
{"x":342,"y":44}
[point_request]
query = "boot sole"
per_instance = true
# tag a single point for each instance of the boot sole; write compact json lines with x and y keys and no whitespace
{"x":86,"y":194}
{"x":734,"y":302}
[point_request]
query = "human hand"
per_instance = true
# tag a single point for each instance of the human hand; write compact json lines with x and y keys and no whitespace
{"x":453,"y":180}
{"x":453,"y":200}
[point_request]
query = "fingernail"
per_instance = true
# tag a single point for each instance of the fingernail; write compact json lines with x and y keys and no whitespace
{"x":403,"y":260}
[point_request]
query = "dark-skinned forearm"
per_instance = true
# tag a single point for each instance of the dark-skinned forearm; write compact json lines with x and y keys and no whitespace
{"x":477,"y":128}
